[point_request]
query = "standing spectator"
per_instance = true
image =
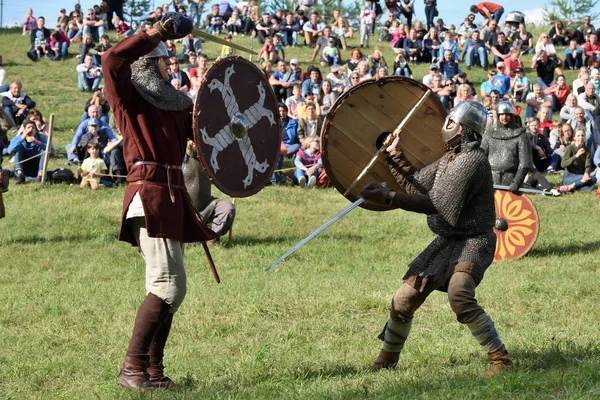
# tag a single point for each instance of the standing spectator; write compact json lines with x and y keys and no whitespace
{"x":488,"y":10}
{"x":89,"y":75}
{"x":313,"y":29}
{"x":591,"y":48}
{"x":16,"y":104}
{"x":559,"y":92}
{"x":29,"y":22}
{"x":476,"y":51}
{"x":214,"y":22}
{"x":115,"y":9}
{"x":33,"y":36}
{"x":93,"y":25}
{"x":546,"y":68}
{"x":430,"y":12}
{"x":578,"y":166}
{"x":59,"y":44}
{"x":526,"y":39}
{"x":536,"y":100}
{"x":573,"y":56}
{"x":196,"y":11}
{"x":407,"y":10}
{"x":26,"y":145}
{"x":121,"y":28}
{"x":544,"y":44}
{"x":367,"y":19}
{"x":62,"y":20}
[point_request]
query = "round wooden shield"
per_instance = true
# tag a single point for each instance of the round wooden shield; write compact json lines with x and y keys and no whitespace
{"x":236,"y":127}
{"x":517,"y":225}
{"x":353,"y":128}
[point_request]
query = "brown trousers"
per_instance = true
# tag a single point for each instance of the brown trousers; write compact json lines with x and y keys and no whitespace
{"x":415,"y":289}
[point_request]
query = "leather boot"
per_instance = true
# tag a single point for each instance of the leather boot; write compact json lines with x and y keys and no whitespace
{"x":156,"y":368}
{"x":499,"y":361}
{"x":385,"y":360}
{"x":151,"y":314}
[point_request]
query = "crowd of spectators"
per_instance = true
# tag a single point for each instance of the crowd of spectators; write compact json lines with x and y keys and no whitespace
{"x":496,"y":46}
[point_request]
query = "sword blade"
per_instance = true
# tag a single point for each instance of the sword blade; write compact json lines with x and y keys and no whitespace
{"x":216,"y":39}
{"x":521,"y":189}
{"x":319,"y":230}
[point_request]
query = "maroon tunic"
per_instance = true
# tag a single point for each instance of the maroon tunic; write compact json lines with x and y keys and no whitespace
{"x":151,"y":134}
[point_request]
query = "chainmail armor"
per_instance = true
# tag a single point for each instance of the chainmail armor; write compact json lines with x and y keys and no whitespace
{"x":154,"y":89}
{"x":508,"y":150}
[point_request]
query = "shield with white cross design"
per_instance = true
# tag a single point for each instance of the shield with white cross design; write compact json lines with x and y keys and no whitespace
{"x":237,"y":127}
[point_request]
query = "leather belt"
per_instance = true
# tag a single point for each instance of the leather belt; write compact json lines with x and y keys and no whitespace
{"x":169,"y":184}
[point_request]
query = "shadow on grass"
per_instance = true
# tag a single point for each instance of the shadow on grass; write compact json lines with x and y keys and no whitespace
{"x":35,"y":239}
{"x":567,"y":249}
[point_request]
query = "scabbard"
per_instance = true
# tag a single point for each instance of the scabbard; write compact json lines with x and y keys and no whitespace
{"x":211,"y":264}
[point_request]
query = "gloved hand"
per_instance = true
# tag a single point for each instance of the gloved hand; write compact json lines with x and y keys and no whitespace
{"x":514,"y":187}
{"x":174,"y":25}
{"x":375,"y":193}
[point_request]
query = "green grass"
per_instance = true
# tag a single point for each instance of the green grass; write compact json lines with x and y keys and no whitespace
{"x":69,"y":292}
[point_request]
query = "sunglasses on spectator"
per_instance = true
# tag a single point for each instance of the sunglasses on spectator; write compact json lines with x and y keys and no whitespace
{"x":449,"y":84}
{"x":354,"y":77}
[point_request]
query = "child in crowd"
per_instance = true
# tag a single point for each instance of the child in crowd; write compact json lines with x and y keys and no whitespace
{"x":295,"y":101}
{"x":121,"y":28}
{"x":234,"y":23}
{"x":448,"y":44}
{"x":308,"y":162}
{"x":519,"y":85}
{"x":278,"y":47}
{"x":573,"y":56}
{"x":29,"y":22}
{"x":398,"y":35}
{"x":42,"y":47}
{"x":331,"y":53}
{"x":268,"y":53}
{"x":367,"y":17}
{"x":227,"y":51}
{"x":93,"y":165}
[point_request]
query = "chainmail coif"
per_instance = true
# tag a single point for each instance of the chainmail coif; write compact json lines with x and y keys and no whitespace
{"x":154,"y":89}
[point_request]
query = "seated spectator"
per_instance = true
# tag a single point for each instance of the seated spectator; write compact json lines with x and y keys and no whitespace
{"x":354,"y":79}
{"x":62,"y":21}
{"x":448,"y":44}
{"x":266,"y":68}
{"x":75,"y":27}
{"x":93,"y":25}
{"x":560,"y":139}
{"x":59,"y":44}
{"x":295,"y":101}
{"x":308,"y":163}
{"x":33,"y":52}
{"x":465,"y":30}
{"x":214,"y":22}
{"x":326,"y":97}
{"x":307,"y":122}
{"x":234,"y":23}
{"x":283,"y":80}
{"x":413,"y":47}
{"x":342,"y":31}
{"x":384,"y":29}
{"x":16,"y":104}
{"x":89,"y":75}
{"x":363,"y":70}
{"x":121,"y":28}
{"x":449,"y":67}
{"x":475,"y":51}
{"x":421,"y":31}
{"x":228,"y":51}
{"x":586,"y":29}
{"x":578,"y":166}
{"x":99,"y":100}
{"x":94,"y":164}
{"x":526,"y":40}
{"x":582,"y":79}
{"x":589,"y":101}
{"x":267,"y":52}
{"x":501,"y":50}
{"x":376,"y":61}
{"x":313,"y":84}
{"x":545,"y":118}
{"x":339,"y":80}
{"x":399,"y":35}
{"x":326,"y":40}
{"x":544,"y":44}
{"x":463,"y":93}
{"x":289,"y":30}
{"x":431,"y":44}
{"x":401,"y":67}
{"x":489,"y":34}
{"x":112,"y":148}
{"x":85,"y":47}
{"x":546,"y":68}
{"x":100,"y":49}
{"x":191,"y":44}
{"x":176,"y":73}
{"x":289,"y":139}
{"x":592,"y":135}
{"x":519,"y":85}
{"x":558,"y":34}
{"x":24,"y":146}
{"x":591,"y":48}
{"x":29,"y":23}
{"x":313,"y":29}
{"x":573,"y":56}
{"x":567,"y":111}
{"x":192,"y":59}
{"x":536,"y":100}
{"x":514,"y":62}
{"x":356,"y":56}
{"x":595,"y":80}
{"x":486,"y":87}
{"x":544,"y":159}
{"x":443,"y":91}
{"x":439,"y":24}
{"x":42,"y":45}
{"x":559,"y":92}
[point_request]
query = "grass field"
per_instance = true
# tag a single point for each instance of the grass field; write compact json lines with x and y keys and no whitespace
{"x":69,"y":292}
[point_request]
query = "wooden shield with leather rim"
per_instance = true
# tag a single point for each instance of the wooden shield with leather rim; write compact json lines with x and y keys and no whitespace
{"x":355,"y":126}
{"x":517,"y":225}
{"x":236,"y":127}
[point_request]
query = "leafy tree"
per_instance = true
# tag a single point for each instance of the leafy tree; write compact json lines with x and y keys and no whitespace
{"x":134,"y":9}
{"x":571,"y":11}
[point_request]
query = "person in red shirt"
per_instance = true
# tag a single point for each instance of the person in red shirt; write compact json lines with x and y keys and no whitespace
{"x":559,"y":92}
{"x":591,"y":48}
{"x":514,"y":62}
{"x":155,"y":120}
{"x":489,"y":10}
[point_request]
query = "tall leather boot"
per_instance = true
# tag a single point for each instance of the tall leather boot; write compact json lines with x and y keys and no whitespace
{"x":151,"y":314}
{"x":499,"y":361}
{"x":385,"y":360}
{"x":156,"y":368}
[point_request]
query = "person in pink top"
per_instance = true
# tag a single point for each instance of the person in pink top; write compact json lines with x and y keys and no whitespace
{"x":59,"y":44}
{"x":591,"y":48}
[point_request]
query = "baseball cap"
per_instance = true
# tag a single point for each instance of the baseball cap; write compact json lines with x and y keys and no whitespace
{"x":93,"y":121}
{"x":294,"y":61}
{"x":433,"y":66}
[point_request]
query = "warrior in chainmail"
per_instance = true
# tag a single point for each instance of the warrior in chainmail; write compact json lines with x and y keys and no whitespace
{"x":508,"y":149}
{"x":457,"y":195}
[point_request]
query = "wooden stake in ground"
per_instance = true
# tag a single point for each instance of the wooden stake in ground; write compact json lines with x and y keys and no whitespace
{"x":231,"y":228}
{"x":48,"y":146}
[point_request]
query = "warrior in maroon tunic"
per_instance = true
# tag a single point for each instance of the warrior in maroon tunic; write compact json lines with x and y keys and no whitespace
{"x":156,"y":121}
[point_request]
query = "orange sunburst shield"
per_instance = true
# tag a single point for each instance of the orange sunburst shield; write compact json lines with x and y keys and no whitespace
{"x":517,"y":225}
